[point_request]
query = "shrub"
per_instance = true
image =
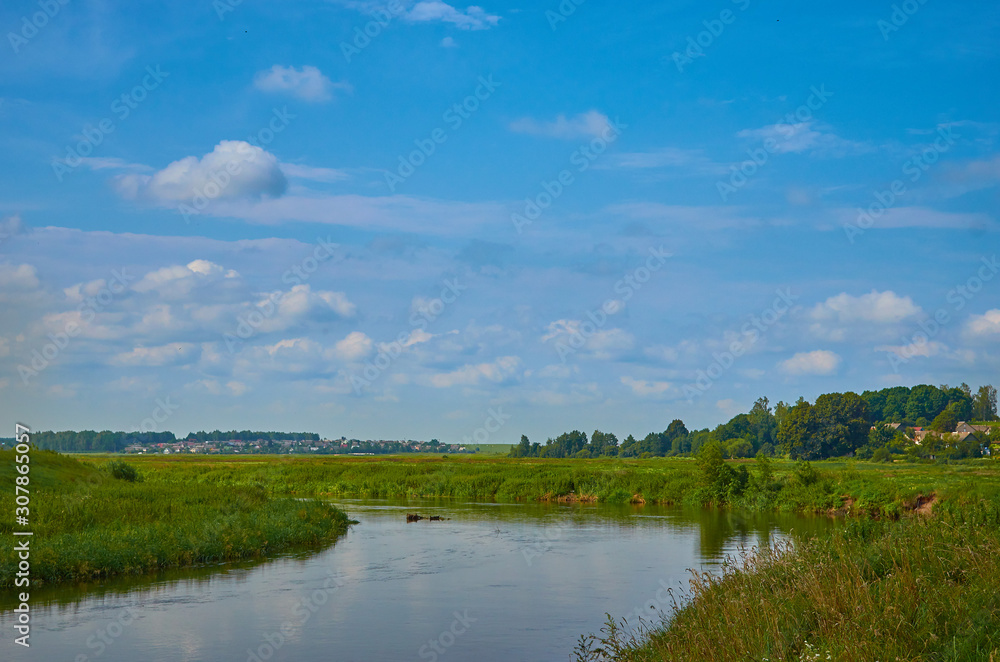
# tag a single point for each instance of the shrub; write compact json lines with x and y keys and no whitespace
{"x":122,"y":471}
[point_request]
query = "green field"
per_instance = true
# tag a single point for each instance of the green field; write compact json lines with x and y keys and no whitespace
{"x":912,"y":576}
{"x":860,"y":488}
{"x":89,"y":525}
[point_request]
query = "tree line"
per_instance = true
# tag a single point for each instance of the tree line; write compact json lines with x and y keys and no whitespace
{"x":836,"y":425}
{"x":107,"y":441}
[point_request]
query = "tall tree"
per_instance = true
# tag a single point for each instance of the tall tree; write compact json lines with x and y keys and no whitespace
{"x":984,"y":404}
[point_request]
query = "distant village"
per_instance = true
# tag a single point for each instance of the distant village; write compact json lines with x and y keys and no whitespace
{"x":342,"y":446}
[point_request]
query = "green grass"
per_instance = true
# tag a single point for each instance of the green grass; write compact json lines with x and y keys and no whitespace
{"x":883,"y":490}
{"x":918,"y":589}
{"x":89,"y":525}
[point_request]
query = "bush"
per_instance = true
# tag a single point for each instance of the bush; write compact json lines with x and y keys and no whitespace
{"x":806,"y":473}
{"x":122,"y":471}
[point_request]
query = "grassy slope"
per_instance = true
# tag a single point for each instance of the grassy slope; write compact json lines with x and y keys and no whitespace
{"x":88,"y":525}
{"x":919,"y":589}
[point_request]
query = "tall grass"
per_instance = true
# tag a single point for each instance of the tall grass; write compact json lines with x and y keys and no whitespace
{"x":109,"y":522}
{"x":917,"y":589}
{"x":858,"y":488}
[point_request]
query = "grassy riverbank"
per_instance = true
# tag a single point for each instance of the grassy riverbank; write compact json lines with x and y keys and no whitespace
{"x":90,"y":525}
{"x":886,"y":490}
{"x":924,"y":588}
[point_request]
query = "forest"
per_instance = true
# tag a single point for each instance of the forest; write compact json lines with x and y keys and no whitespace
{"x":836,"y":425}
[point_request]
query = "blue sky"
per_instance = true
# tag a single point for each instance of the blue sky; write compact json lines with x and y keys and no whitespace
{"x":572,"y":216}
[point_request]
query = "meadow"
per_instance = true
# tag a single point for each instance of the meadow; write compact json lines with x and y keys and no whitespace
{"x":859,"y":488}
{"x":95,"y":519}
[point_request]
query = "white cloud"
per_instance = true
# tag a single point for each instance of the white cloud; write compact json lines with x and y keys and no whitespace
{"x":449,"y":42}
{"x":325,"y":175}
{"x":473,"y":18}
{"x":498,"y":371}
{"x":645,"y":388}
{"x":308,"y":83}
{"x":602,"y":344}
{"x":690,"y":161}
{"x":803,"y":137}
{"x":164,"y":355}
{"x":877,"y":307}
{"x":173,"y":282}
{"x":986,"y":325}
{"x":916,"y":217}
{"x":924,"y":349}
{"x":819,"y":362}
{"x":234,"y":170}
{"x":354,"y":347}
{"x":21,"y":277}
{"x":591,"y":124}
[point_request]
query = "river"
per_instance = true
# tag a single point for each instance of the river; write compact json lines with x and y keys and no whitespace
{"x":490,"y":583}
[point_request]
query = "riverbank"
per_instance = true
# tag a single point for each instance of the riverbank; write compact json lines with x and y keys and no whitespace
{"x":829,"y":487}
{"x":89,"y":525}
{"x":924,"y":588}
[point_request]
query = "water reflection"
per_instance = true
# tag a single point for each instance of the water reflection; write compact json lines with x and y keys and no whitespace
{"x":488,"y":582}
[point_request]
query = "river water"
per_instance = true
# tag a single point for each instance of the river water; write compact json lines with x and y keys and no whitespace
{"x":491,"y":583}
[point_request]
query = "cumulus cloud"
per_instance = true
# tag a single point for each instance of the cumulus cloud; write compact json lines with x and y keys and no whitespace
{"x":173,"y":282}
{"x":234,"y":170}
{"x":21,"y":277}
{"x":472,"y":18}
{"x":986,"y":325}
{"x":646,"y":389}
{"x":498,"y":371}
{"x":354,"y":347}
{"x":592,"y":124}
{"x":308,"y":83}
{"x":819,"y":362}
{"x":877,"y":307}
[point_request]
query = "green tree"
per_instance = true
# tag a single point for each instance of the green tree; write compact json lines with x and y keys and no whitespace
{"x":984,"y":404}
{"x":796,"y":434}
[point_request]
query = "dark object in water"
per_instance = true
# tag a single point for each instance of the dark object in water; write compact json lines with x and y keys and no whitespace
{"x":413,"y":518}
{"x":416,"y":518}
